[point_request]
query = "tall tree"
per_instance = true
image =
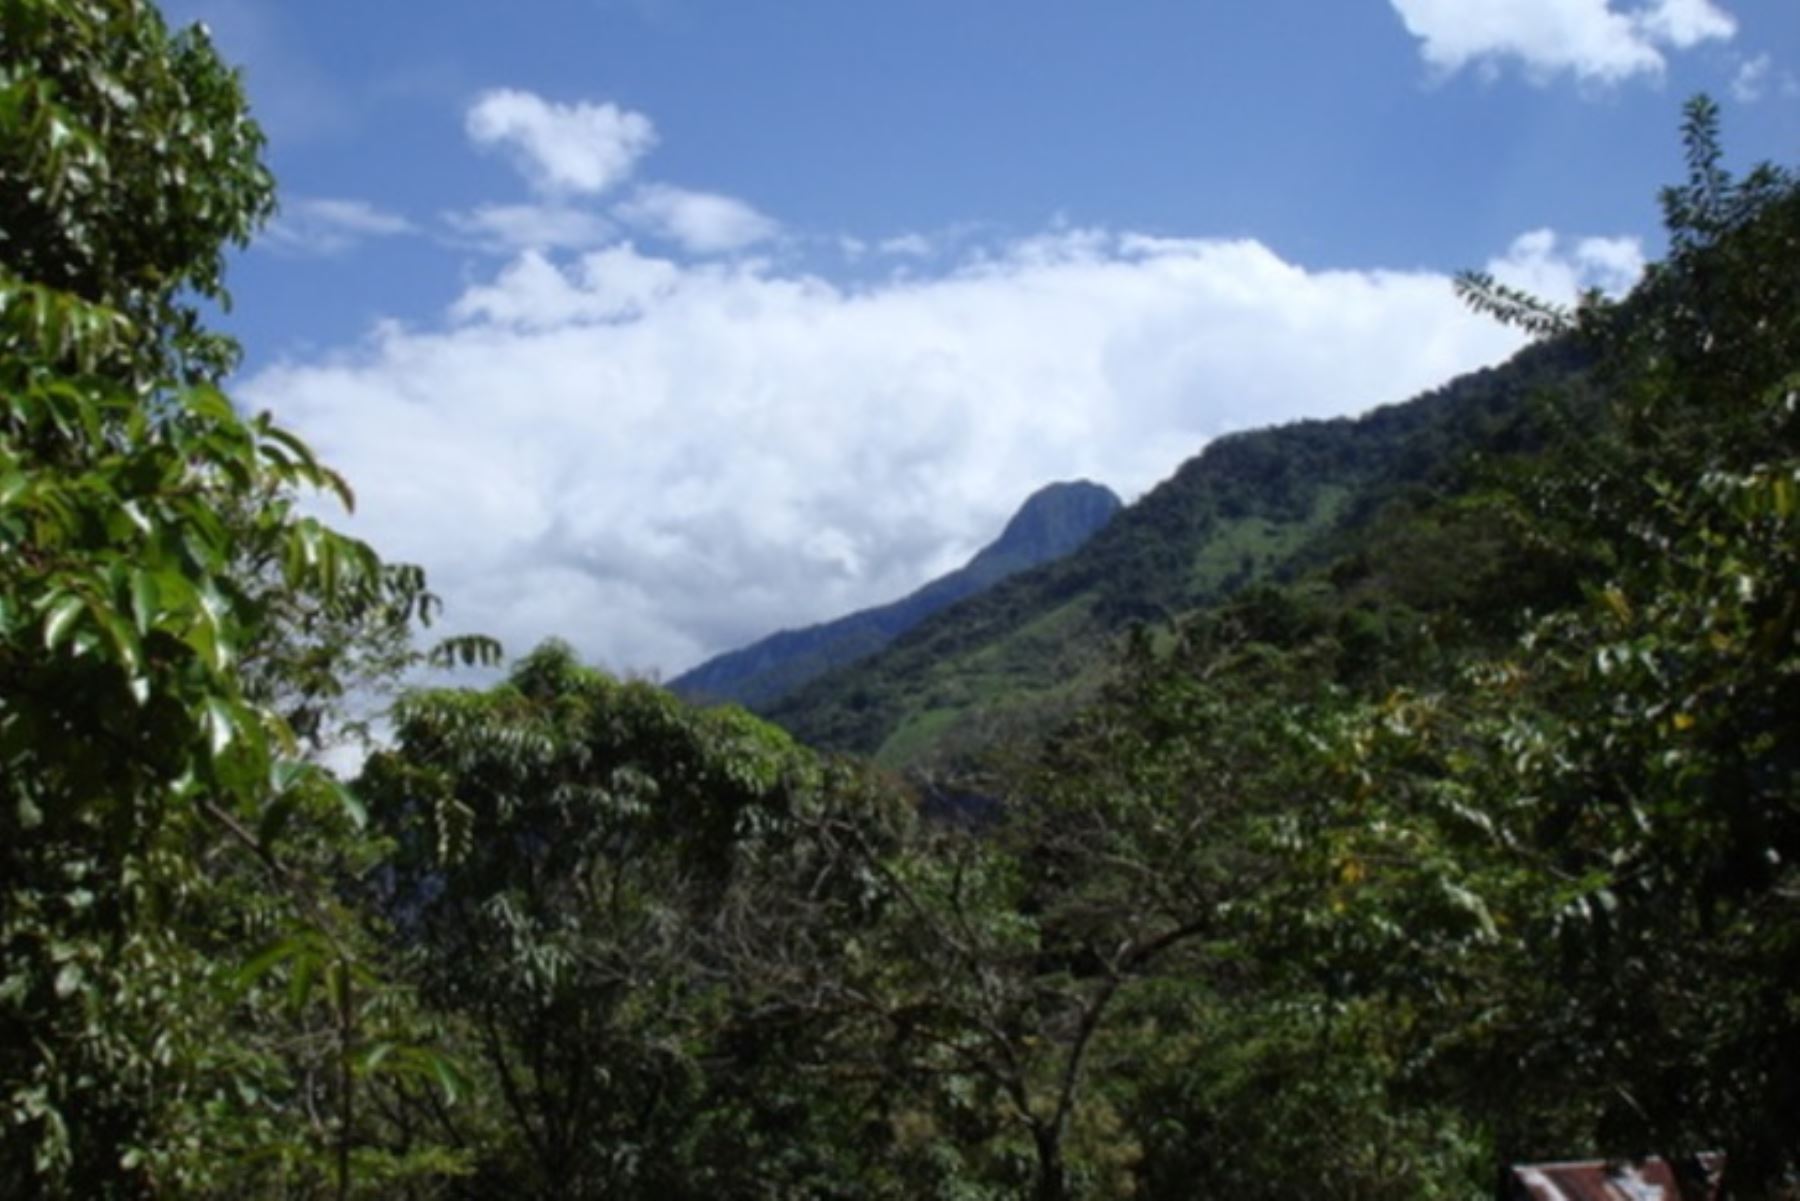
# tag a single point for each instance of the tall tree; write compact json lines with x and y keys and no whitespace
{"x":156,"y":820}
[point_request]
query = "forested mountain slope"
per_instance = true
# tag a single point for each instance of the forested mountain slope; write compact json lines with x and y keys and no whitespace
{"x":1053,"y":521}
{"x":1252,"y":506}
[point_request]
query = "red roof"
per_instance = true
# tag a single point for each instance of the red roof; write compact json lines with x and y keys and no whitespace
{"x":1611,"y":1180}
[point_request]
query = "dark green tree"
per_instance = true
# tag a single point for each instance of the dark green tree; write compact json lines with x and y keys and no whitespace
{"x":157,"y":821}
{"x":1651,"y":727}
{"x":646,"y":919}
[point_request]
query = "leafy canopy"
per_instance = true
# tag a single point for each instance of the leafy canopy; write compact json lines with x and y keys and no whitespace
{"x":149,"y":785}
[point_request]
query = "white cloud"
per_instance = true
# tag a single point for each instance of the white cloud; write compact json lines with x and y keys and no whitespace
{"x":562,"y":149}
{"x":1535,"y":263}
{"x":1593,"y":39}
{"x":1756,"y":77}
{"x":566,"y":150}
{"x":514,"y":227}
{"x":1752,"y":78}
{"x":534,"y":293}
{"x":1686,"y":23}
{"x":701,"y":222}
{"x":326,"y":226}
{"x":660,"y":461}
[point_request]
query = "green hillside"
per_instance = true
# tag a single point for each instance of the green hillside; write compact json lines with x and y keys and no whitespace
{"x":1251,"y":507}
{"x":1053,"y":521}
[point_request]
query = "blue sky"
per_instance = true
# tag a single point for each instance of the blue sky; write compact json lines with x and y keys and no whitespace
{"x":659,"y":324}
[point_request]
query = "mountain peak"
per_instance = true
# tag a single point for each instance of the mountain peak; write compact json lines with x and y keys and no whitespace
{"x":1053,"y":521}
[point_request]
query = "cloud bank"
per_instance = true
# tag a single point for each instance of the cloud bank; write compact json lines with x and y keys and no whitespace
{"x":1595,"y":40}
{"x":660,"y":459}
{"x":663,"y":454}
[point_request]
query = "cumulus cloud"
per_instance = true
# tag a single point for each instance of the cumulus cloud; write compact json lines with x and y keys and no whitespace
{"x":325,"y":226}
{"x":662,"y":460}
{"x":569,"y":151}
{"x":534,"y":293}
{"x":1686,"y":23}
{"x":562,"y":149}
{"x":1593,"y":39}
{"x":700,"y":222}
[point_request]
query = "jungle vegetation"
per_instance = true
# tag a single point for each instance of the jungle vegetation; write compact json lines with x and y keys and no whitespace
{"x":1456,"y":826}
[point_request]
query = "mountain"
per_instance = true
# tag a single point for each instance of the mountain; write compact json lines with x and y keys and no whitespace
{"x":1053,"y":521}
{"x":1255,"y":506}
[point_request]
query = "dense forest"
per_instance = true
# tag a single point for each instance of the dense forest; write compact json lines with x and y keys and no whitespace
{"x":1445,"y":815}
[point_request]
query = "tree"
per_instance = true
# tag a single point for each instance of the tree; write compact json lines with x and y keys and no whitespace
{"x":643,"y":916}
{"x":1612,"y":800}
{"x":1521,"y":882}
{"x":1175,"y":983}
{"x":156,"y":820}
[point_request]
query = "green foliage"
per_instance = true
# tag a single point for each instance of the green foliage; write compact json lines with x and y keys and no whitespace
{"x":156,"y":820}
{"x":130,"y":162}
{"x":1473,"y":845}
{"x":1451,"y":820}
{"x":1559,"y":863}
{"x":639,"y":913}
{"x":1653,"y":729}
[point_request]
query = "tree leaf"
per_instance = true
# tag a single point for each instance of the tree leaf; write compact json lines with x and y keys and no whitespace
{"x":61,"y":620}
{"x":219,"y":723}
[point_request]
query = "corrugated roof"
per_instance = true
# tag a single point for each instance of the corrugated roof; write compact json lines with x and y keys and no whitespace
{"x":1613,"y":1180}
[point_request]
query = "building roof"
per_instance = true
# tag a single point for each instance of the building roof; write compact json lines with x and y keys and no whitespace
{"x":1615,"y":1180}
